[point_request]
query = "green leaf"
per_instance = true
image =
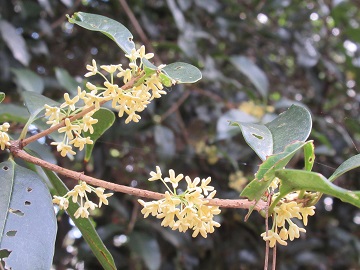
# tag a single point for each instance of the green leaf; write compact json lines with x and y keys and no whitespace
{"x":27,"y":220}
{"x":106,"y":120}
{"x":258,"y":137}
{"x":35,"y":102}
{"x":346,"y":166}
{"x":13,"y":113}
{"x":293,"y":180}
{"x":2,"y":96}
{"x":109,"y":27}
{"x":292,"y":125}
{"x":252,"y":72}
{"x":182,"y":72}
{"x":309,"y":156}
{"x":66,"y":81}
{"x":28,"y":80}
{"x":266,"y":173}
{"x":84,"y":225}
{"x":147,"y":247}
{"x":15,"y":42}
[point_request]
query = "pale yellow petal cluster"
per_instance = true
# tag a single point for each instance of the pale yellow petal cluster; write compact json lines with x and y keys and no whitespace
{"x":80,"y":194}
{"x":188,"y":210}
{"x":127,"y":102}
{"x":4,"y":137}
{"x":284,"y":228}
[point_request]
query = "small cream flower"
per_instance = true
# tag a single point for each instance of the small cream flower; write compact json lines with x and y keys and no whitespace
{"x":69,"y":102}
{"x":63,"y":148}
{"x":61,"y":201}
{"x":155,"y":175}
{"x":143,"y":55}
{"x":174,"y":180}
{"x":273,"y":238}
{"x":305,"y":212}
{"x":81,"y":212}
{"x":69,"y":128}
{"x":93,"y":69}
{"x":102,"y":197}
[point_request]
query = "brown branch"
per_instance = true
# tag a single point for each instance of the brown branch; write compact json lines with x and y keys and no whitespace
{"x":15,"y":149}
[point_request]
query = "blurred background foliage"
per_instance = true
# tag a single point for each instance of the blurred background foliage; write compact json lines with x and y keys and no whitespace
{"x":257,"y":58}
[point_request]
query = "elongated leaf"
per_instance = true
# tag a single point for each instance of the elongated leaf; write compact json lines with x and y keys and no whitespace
{"x":28,"y":80}
{"x":266,"y":173}
{"x":292,"y":125}
{"x":346,"y":166}
{"x":66,"y":81}
{"x":2,"y":96}
{"x":13,"y":113}
{"x":182,"y":72}
{"x":109,"y":27}
{"x":106,"y":120}
{"x":15,"y":42}
{"x":293,"y":180}
{"x":28,"y":223}
{"x":84,"y":225}
{"x":253,"y":72}
{"x":258,"y":137}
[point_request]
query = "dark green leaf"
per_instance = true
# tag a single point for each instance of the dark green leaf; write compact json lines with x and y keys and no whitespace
{"x":147,"y":247}
{"x":106,"y":120}
{"x":109,"y":27}
{"x":2,"y":96}
{"x":182,"y":72}
{"x":293,"y":180}
{"x":266,"y":173}
{"x":292,"y":125}
{"x":15,"y":42}
{"x":346,"y":166}
{"x":84,"y":225}
{"x":66,"y":81}
{"x":258,"y":137}
{"x":253,"y":72}
{"x":13,"y":113}
{"x":28,"y":80}
{"x":27,"y":220}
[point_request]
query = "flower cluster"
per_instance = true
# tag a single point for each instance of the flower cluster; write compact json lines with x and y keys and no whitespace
{"x":128,"y":100}
{"x":188,"y":210}
{"x":4,"y":137}
{"x":283,"y":213}
{"x":210,"y":151}
{"x":253,"y":109}
{"x":237,"y":181}
{"x":79,"y":193}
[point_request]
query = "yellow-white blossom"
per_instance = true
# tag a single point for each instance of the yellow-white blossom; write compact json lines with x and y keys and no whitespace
{"x":4,"y":137}
{"x":188,"y":210}
{"x":79,"y":194}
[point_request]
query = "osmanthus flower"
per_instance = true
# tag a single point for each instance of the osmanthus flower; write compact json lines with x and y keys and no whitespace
{"x":184,"y":211}
{"x":128,"y":102}
{"x":4,"y":137}
{"x":80,"y":194}
{"x":288,"y":209}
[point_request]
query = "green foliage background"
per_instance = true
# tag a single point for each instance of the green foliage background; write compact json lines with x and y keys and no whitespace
{"x":274,"y":53}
